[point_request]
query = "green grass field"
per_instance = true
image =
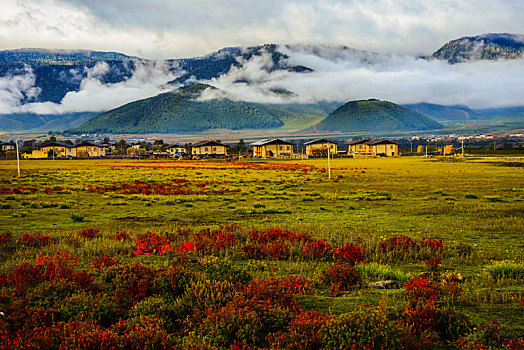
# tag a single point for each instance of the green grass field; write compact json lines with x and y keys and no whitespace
{"x":475,"y":206}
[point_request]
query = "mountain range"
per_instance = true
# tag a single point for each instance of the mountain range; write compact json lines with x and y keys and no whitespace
{"x":41,"y":77}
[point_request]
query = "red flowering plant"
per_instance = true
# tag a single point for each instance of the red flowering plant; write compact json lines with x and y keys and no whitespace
{"x":350,"y":254}
{"x":89,"y":233}
{"x":341,"y":277}
{"x":36,"y":241}
{"x":151,"y":243}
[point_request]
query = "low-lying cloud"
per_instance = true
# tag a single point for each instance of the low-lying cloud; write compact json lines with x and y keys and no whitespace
{"x":148,"y":79}
{"x":339,"y":74}
{"x":342,"y":74}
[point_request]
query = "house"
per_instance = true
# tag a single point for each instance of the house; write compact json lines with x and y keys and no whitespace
{"x":367,"y":148}
{"x":175,"y":149}
{"x":360,"y":148}
{"x":52,"y":150}
{"x":320,"y":147}
{"x":88,"y":149}
{"x":272,"y":148}
{"x":6,"y":146}
{"x":213,"y":149}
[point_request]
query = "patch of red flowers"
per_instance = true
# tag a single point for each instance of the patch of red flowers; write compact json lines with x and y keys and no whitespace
{"x":151,"y":243}
{"x":88,"y":233}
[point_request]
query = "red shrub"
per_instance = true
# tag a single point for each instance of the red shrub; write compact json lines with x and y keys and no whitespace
{"x":421,"y":316}
{"x":350,"y":254}
{"x":277,"y":250}
{"x":276,"y":234}
{"x":36,"y":241}
{"x":433,"y":244}
{"x":211,"y":242}
{"x":4,"y":238}
{"x":88,"y":233}
{"x":302,"y":333}
{"x":151,"y":243}
{"x":421,"y":288}
{"x":103,"y":261}
{"x":434,"y":264}
{"x":399,"y":244}
{"x":278,"y":289}
{"x":186,"y":247}
{"x":252,"y":251}
{"x":340,"y":277}
{"x":122,"y":236}
{"x":24,"y":276}
{"x":317,"y":249}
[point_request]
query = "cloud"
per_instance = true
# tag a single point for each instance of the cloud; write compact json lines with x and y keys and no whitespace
{"x":181,"y":28}
{"x":15,"y":89}
{"x":148,"y":79}
{"x":343,"y":74}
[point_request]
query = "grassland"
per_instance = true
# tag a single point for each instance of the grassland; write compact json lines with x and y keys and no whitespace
{"x":474,"y":207}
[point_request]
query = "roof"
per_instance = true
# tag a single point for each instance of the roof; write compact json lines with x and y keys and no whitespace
{"x":358,"y":142}
{"x":208,"y":143}
{"x":5,"y":144}
{"x":56,"y":144}
{"x":371,"y":143}
{"x":382,"y":142}
{"x":90,"y":144}
{"x":176,"y":145}
{"x":271,"y":142}
{"x":319,"y":141}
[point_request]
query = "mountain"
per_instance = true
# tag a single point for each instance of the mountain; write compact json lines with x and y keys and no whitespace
{"x":376,"y":116}
{"x":482,"y":47}
{"x":54,"y":73}
{"x":185,"y":110}
{"x":218,"y":63}
{"x":443,"y":113}
{"x":43,"y":122}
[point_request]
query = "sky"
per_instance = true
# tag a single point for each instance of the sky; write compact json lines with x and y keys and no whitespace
{"x":396,"y":32}
{"x":159,"y":29}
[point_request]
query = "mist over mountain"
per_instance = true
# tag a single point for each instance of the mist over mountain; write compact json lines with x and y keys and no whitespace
{"x":490,"y":46}
{"x":487,"y":72}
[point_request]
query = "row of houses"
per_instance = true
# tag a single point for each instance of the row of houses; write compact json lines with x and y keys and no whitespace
{"x":278,"y":148}
{"x":266,"y":148}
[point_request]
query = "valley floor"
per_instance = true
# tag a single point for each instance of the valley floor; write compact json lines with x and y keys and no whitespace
{"x":449,"y":227}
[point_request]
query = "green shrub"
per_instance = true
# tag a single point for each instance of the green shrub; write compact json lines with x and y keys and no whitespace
{"x":361,"y":330}
{"x":77,"y":217}
{"x":506,"y":269}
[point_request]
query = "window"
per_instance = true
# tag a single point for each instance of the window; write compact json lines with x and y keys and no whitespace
{"x":287,"y":148}
{"x":281,"y":148}
{"x":214,"y":149}
{"x":391,"y":146}
{"x":207,"y":149}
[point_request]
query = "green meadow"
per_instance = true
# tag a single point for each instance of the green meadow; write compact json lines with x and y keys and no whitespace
{"x":474,"y":206}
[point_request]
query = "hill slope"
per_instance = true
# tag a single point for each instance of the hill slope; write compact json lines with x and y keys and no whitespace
{"x":442,"y":113}
{"x":182,"y":111}
{"x":482,"y":47}
{"x":377,"y":116}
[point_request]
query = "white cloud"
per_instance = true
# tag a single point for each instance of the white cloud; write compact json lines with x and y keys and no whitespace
{"x":180,"y":28}
{"x":346,"y":74}
{"x":148,"y":80}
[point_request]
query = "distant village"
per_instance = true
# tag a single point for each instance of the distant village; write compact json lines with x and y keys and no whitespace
{"x":275,"y":148}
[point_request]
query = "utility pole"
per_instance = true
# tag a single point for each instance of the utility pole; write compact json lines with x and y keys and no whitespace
{"x":18,"y":157}
{"x":462,"y":148}
{"x":411,"y":146}
{"x":329,"y":164}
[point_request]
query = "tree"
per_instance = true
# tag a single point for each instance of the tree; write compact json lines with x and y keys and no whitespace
{"x":121,"y":146}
